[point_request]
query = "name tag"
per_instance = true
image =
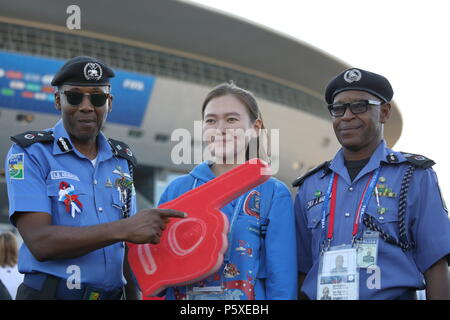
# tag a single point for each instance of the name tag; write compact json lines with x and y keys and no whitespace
{"x":315,"y":201}
{"x":57,"y":175}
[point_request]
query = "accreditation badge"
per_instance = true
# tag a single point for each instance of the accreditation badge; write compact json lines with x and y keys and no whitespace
{"x":367,"y":249}
{"x":338,"y":277}
{"x":206,"y":293}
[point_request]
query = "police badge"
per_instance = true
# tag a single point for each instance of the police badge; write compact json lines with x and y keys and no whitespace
{"x":92,"y":71}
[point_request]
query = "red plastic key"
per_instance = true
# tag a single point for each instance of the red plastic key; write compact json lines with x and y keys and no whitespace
{"x":192,"y":248}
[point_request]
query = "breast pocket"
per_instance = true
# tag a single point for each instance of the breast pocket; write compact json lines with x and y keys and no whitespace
{"x":385,"y":215}
{"x":314,"y":225}
{"x":68,"y":203}
{"x":116,"y":204}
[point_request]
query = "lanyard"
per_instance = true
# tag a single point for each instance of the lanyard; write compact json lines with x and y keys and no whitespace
{"x":332,"y":195}
{"x":230,"y":231}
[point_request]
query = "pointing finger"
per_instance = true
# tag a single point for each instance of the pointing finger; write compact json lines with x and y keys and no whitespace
{"x":169,"y":213}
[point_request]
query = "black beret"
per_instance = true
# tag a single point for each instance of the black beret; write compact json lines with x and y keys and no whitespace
{"x":83,"y":71}
{"x":361,"y":80}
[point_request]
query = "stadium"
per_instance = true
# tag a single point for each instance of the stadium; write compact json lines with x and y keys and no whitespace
{"x":168,"y":55}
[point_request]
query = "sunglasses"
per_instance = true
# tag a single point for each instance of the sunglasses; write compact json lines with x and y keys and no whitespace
{"x":97,"y":99}
{"x":338,"y":109}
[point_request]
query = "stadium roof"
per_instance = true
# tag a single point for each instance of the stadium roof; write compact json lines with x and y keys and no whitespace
{"x":187,"y":29}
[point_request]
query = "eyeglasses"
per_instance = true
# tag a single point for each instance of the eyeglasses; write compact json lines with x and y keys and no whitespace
{"x":75,"y":98}
{"x":338,"y":109}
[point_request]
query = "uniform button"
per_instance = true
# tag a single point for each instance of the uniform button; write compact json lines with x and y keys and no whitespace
{"x":347,"y":214}
{"x":95,"y":181}
{"x":100,"y":209}
{"x":350,"y":189}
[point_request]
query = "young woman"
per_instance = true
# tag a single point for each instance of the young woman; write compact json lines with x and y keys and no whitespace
{"x":261,"y":261}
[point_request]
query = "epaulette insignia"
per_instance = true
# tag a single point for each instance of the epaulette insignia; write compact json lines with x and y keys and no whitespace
{"x":121,"y":149}
{"x":392,"y":158}
{"x":26,"y":139}
{"x":299,"y":181}
{"x":64,"y":144}
{"x":418,"y":160}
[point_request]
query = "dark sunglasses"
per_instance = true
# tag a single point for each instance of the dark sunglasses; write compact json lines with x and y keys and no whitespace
{"x":75,"y":98}
{"x":338,"y":109}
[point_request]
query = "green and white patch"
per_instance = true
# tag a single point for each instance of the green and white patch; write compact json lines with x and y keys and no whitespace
{"x":16,"y":167}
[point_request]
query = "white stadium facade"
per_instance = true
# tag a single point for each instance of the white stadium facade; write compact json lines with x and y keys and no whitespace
{"x":168,"y":55}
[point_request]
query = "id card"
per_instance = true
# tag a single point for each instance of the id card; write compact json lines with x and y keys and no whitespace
{"x":338,"y":277}
{"x":367,"y":249}
{"x":206,"y":293}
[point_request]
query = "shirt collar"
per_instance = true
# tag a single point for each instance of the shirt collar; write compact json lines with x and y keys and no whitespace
{"x":60,"y":134}
{"x":380,"y":155}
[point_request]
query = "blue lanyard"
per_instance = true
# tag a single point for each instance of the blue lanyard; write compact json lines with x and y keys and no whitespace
{"x":326,"y":202}
{"x":236,"y":210}
{"x":368,"y":194}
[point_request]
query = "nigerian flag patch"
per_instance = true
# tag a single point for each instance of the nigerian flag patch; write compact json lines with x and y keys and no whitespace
{"x":15,"y":166}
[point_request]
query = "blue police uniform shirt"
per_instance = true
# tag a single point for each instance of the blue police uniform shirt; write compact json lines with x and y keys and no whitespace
{"x":255,"y":273}
{"x":37,"y":189}
{"x":427,"y":223}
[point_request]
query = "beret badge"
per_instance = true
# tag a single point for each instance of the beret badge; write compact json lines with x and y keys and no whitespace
{"x":92,"y":71}
{"x":352,"y":75}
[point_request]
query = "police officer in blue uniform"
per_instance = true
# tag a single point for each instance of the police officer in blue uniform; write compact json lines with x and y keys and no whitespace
{"x":369,"y":197}
{"x":69,"y":191}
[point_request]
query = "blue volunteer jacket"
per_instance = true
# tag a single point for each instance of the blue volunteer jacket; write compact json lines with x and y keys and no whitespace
{"x":258,"y":268}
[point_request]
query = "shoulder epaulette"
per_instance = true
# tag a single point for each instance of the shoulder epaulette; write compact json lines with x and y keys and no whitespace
{"x":299,"y":181}
{"x":121,"y":149}
{"x":26,"y":139}
{"x":418,"y":160}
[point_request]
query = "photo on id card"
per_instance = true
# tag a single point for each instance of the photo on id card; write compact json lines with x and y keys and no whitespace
{"x":338,"y":277}
{"x":367,"y":250}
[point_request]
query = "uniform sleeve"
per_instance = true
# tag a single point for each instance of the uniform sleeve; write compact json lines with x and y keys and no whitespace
{"x":280,"y":244}
{"x":432,"y":226}
{"x":177,"y":187}
{"x":304,"y":254}
{"x":26,"y":183}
